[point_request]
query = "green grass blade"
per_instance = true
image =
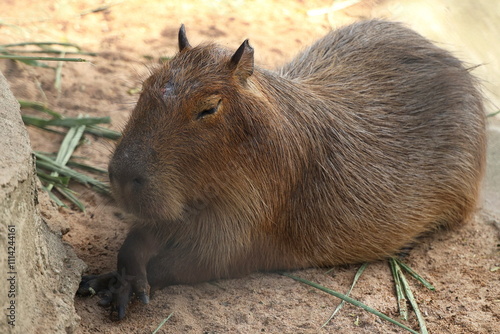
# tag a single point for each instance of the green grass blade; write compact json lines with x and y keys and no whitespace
{"x":100,"y":8}
{"x":65,"y":122}
{"x":54,"y":198}
{"x":68,"y":122}
{"x":40,"y":44}
{"x":411,"y":299}
{"x":35,"y":123}
{"x":415,"y":275}
{"x":103,"y":132}
{"x":351,"y":301}
{"x":31,"y":62}
{"x":493,"y":114}
{"x":58,"y":80}
{"x":79,"y":165}
{"x":403,"y":310}
{"x":162,"y":323}
{"x":34,"y":58}
{"x":50,"y":51}
{"x":91,"y":122}
{"x":67,"y":148}
{"x":61,"y":181}
{"x":339,"y":307}
{"x":39,"y":107}
{"x":86,"y":167}
{"x":71,"y":197}
{"x":46,"y":162}
{"x":77,"y":127}
{"x":69,"y":144}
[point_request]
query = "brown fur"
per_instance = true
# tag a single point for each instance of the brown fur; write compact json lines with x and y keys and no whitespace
{"x":367,"y":139}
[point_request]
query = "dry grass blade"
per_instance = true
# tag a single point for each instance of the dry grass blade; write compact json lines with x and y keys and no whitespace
{"x":339,"y":307}
{"x":351,"y":301}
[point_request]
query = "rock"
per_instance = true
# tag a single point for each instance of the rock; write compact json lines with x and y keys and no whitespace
{"x":491,"y":184}
{"x":39,"y":273}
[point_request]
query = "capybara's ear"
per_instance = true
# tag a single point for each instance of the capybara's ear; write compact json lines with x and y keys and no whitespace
{"x":242,"y":61}
{"x":183,"y":41}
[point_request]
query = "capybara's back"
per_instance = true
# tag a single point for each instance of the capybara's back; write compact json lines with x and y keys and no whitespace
{"x":398,"y":140}
{"x":367,"y":139}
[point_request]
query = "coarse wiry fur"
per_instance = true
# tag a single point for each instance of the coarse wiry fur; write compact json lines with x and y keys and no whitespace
{"x":367,"y":139}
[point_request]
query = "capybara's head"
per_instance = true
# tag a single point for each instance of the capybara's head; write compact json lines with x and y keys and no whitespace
{"x":185,"y":132}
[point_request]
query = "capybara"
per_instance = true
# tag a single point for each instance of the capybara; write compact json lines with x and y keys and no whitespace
{"x":364,"y":141}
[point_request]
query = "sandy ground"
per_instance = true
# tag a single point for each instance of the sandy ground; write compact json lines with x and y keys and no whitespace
{"x":459,"y":263}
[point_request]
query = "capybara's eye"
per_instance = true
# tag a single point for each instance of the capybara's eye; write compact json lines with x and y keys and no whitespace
{"x":208,"y":111}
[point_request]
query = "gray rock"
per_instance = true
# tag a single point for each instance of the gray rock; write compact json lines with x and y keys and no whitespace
{"x":41,"y":272}
{"x":491,"y":184}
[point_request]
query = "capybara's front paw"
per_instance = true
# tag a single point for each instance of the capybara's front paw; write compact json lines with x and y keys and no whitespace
{"x":115,"y":290}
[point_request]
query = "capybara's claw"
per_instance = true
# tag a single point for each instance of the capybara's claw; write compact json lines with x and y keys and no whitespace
{"x":106,"y":298}
{"x":120,"y":300}
{"x":93,"y":284}
{"x":114,"y":290}
{"x":143,"y":297}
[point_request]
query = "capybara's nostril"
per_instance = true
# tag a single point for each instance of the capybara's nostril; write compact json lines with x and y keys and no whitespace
{"x":138,"y":181}
{"x":128,"y":180}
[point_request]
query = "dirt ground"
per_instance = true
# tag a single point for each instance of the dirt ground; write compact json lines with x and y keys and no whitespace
{"x":459,"y":263}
